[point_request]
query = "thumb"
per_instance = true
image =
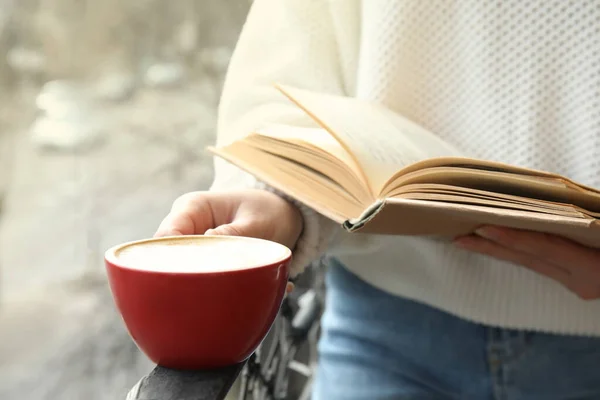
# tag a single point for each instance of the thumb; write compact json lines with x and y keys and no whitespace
{"x":235,"y":228}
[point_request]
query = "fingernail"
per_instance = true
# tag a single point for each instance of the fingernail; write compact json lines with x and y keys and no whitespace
{"x":487,"y":233}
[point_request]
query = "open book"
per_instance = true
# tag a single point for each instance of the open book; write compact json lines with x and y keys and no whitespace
{"x":375,"y":171}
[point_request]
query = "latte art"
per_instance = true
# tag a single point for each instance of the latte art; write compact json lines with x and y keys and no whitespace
{"x":200,"y":254}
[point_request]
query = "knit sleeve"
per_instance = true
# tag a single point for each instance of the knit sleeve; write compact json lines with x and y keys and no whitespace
{"x":289,"y":42}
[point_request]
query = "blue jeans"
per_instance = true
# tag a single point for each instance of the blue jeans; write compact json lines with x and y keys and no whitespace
{"x":377,"y":346}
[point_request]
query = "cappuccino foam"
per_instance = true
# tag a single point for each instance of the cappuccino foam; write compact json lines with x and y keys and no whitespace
{"x":200,"y":254}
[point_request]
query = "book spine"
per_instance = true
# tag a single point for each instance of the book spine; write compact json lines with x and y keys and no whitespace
{"x":353,"y":225}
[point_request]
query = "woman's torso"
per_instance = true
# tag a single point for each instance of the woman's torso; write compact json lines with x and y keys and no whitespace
{"x":512,"y":81}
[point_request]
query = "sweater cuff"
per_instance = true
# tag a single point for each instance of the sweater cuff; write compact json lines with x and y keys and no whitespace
{"x":316,"y":237}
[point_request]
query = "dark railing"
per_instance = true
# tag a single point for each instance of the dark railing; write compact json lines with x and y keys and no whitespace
{"x":168,"y":384}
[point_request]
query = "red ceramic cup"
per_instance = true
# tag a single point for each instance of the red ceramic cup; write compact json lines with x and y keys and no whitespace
{"x":204,"y":319}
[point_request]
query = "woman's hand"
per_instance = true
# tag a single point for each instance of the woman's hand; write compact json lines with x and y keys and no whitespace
{"x":253,"y":213}
{"x":575,"y":266}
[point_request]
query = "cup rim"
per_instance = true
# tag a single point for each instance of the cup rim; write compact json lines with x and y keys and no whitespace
{"x":111,"y":257}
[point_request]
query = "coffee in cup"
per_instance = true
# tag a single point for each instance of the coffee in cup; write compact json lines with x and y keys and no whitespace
{"x":199,"y":254}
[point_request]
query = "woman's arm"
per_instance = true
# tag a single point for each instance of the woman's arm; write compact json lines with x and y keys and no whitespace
{"x":283,"y":41}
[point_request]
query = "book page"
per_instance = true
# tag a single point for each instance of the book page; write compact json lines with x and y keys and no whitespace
{"x":381,"y":141}
{"x":317,"y":138}
{"x":526,"y":186}
{"x":437,"y":188}
{"x":316,"y":149}
{"x":476,"y":200}
{"x":305,"y":185}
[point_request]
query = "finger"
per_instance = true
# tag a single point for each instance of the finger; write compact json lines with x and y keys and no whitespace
{"x":242,"y":225}
{"x":175,"y":225}
{"x":493,"y":249}
{"x":232,"y":229}
{"x":290,"y":287}
{"x":190,"y":214}
{"x":554,"y":249}
{"x":587,"y":291}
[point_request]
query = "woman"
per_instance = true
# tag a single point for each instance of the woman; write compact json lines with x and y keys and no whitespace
{"x":501,"y":314}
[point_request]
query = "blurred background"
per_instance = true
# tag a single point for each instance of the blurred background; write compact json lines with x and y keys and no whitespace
{"x":105,"y":110}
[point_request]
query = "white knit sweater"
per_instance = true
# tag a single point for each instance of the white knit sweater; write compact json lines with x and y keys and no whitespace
{"x":513,"y":81}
